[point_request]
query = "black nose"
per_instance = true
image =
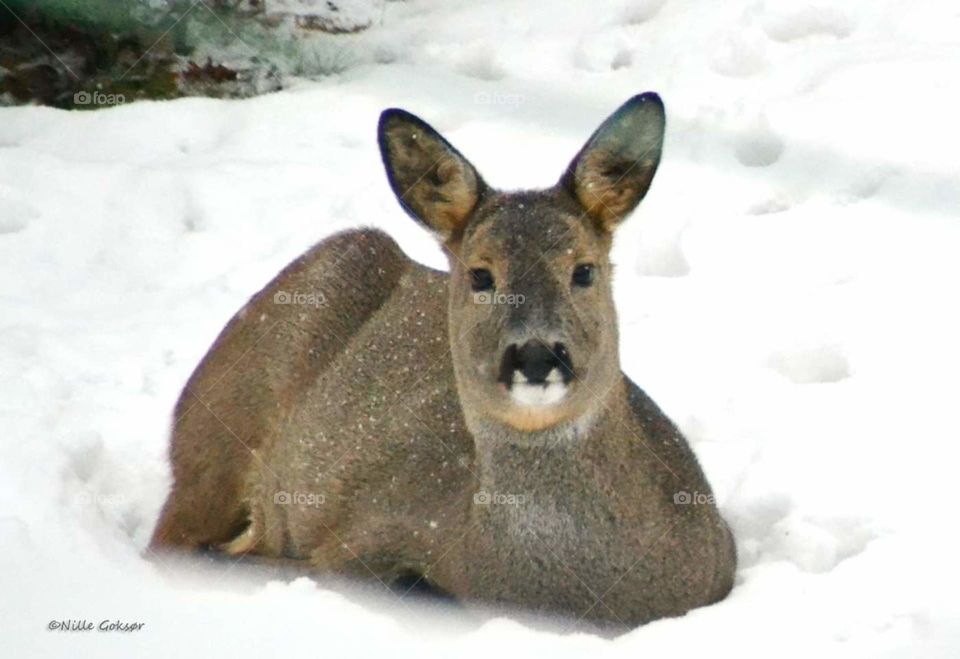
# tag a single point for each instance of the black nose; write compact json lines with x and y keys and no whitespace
{"x":535,"y":359}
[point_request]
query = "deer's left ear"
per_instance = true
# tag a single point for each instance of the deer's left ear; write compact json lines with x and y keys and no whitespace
{"x":614,"y":169}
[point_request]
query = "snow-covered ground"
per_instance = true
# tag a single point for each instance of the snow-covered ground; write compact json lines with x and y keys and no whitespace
{"x":787,"y":292}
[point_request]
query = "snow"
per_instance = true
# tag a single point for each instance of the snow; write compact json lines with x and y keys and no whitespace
{"x":787,"y":293}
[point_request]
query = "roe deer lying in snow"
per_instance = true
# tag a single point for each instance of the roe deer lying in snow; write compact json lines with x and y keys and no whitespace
{"x":470,"y":429}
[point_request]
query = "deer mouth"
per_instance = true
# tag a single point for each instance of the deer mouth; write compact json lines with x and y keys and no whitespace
{"x":536,"y":374}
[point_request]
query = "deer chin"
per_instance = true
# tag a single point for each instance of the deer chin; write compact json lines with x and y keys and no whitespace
{"x":529,"y":418}
{"x":533,"y":407}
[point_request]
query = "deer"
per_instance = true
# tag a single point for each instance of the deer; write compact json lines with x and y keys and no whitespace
{"x":368,"y":417}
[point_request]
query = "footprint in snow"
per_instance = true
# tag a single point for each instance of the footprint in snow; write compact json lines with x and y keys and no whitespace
{"x":757,"y":145}
{"x":622,"y":60}
{"x":741,"y":54}
{"x":810,"y":364}
{"x":85,"y":456}
{"x":807,"y":21}
{"x":482,"y":64}
{"x":15,"y":215}
{"x":641,"y":11}
{"x":775,"y":203}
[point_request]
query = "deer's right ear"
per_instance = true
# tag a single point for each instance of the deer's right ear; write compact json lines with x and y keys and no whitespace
{"x":434,"y":183}
{"x":613,"y":171}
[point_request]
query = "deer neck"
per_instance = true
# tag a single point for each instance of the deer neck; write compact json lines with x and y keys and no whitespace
{"x":510,"y":460}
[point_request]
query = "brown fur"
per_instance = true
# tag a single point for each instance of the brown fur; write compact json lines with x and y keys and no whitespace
{"x":369,"y":436}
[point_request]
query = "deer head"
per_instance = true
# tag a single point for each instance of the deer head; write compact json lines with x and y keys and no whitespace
{"x":533,"y":328}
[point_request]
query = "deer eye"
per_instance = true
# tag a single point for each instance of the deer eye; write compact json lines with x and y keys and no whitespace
{"x":481,"y":279}
{"x":583,"y":275}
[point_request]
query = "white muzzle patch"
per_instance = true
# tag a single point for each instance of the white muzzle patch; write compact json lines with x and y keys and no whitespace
{"x":549,"y":392}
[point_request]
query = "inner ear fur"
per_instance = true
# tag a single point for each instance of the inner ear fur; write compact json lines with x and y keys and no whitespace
{"x":434,"y":183}
{"x":614,"y":169}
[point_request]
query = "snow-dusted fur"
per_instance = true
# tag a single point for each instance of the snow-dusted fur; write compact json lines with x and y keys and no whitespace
{"x":295,"y":440}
